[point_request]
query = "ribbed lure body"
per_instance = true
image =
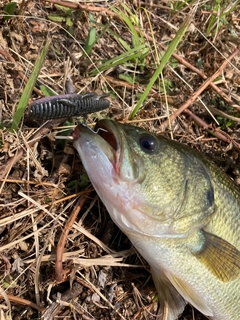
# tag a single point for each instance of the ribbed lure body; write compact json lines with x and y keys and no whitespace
{"x":67,"y":105}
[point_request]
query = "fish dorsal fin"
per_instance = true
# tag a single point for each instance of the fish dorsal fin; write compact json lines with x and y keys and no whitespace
{"x":220,"y":257}
{"x":171,"y":302}
{"x":190,"y":295}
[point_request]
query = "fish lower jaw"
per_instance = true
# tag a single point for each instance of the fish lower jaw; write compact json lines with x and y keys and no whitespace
{"x":135,"y":222}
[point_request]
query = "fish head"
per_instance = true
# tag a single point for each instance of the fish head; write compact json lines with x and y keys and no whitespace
{"x":147,"y":182}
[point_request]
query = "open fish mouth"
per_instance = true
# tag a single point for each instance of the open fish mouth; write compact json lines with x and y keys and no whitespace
{"x":104,"y":130}
{"x":107,"y":133}
{"x":104,"y":138}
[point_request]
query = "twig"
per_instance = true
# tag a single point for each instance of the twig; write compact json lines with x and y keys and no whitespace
{"x":24,"y":302}
{"x":215,"y":132}
{"x":61,"y":244}
{"x":78,"y":6}
{"x":199,"y":91}
{"x":202,"y":75}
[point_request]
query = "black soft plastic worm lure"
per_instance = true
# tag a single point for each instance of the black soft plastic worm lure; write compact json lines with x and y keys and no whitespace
{"x":66,"y":106}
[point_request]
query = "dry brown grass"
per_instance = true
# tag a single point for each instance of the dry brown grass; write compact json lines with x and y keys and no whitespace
{"x":40,"y":186}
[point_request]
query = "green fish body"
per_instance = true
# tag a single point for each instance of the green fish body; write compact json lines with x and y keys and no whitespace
{"x":180,"y":211}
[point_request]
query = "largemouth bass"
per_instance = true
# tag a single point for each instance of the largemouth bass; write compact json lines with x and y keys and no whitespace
{"x":180,"y":211}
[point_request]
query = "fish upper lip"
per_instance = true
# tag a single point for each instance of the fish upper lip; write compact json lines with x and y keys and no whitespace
{"x":106,"y":130}
{"x":108,"y":134}
{"x":102,"y":129}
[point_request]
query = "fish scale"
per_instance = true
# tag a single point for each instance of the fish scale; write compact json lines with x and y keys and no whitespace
{"x":179,"y":210}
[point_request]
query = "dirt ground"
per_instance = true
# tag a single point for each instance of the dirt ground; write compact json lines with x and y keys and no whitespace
{"x":61,"y":256}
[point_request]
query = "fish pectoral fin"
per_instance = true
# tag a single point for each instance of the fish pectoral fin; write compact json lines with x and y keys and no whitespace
{"x":171,"y":302}
{"x":220,"y":257}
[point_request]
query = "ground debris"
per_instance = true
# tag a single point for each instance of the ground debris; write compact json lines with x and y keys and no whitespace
{"x":42,"y":178}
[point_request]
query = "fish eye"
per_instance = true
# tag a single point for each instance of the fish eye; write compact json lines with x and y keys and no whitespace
{"x":147,"y":143}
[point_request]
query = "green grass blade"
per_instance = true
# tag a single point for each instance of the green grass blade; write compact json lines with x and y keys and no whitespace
{"x":9,"y":10}
{"x":91,"y":38}
{"x":118,"y":38}
{"x":167,"y":55}
{"x":28,"y":89}
{"x":46,"y":91}
{"x":128,"y":21}
{"x":126,"y":56}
